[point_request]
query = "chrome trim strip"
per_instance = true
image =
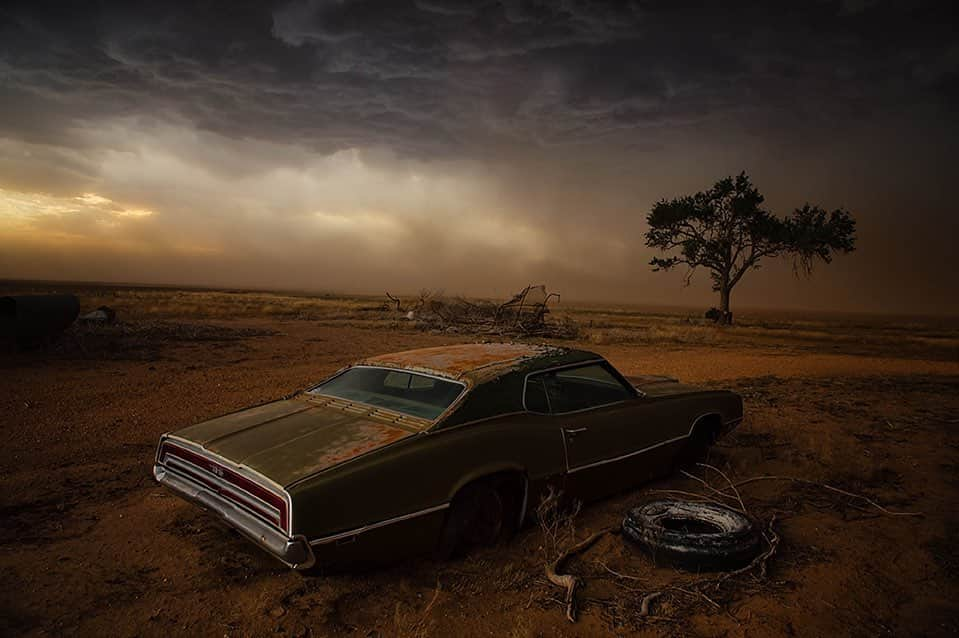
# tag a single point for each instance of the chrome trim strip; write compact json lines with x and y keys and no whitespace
{"x":250,"y":474}
{"x":188,"y":477}
{"x":562,"y":436}
{"x":372,"y":526}
{"x":522,"y":508}
{"x":293,"y":551}
{"x":172,"y":461}
{"x":394,"y":369}
{"x":645,"y":449}
{"x":626,"y":456}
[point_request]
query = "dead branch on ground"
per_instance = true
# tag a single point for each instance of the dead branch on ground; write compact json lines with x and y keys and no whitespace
{"x":758,"y":567}
{"x":758,"y":563}
{"x":569,"y":581}
{"x":824,"y":486}
{"x":647,"y":600}
{"x":739,"y":498}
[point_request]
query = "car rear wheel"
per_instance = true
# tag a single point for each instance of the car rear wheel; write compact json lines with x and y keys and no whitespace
{"x":477,"y":517}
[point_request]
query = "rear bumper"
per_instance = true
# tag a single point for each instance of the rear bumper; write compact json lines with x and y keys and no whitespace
{"x":294,"y":552}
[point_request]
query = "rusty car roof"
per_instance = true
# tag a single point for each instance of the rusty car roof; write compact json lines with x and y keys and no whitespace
{"x":476,"y":362}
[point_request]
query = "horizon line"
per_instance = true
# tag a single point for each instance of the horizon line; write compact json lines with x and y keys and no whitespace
{"x":345,"y":293}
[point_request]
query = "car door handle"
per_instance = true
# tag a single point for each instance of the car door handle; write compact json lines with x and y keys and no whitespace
{"x":572,"y":432}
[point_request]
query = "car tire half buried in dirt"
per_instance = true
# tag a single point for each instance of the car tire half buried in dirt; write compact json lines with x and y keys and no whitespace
{"x":693,"y":536}
{"x":477,"y":517}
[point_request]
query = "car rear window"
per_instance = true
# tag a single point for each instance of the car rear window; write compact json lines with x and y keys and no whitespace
{"x":409,"y":393}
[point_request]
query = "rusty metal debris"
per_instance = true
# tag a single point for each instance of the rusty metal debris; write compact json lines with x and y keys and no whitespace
{"x":103,"y":314}
{"x":525,"y":314}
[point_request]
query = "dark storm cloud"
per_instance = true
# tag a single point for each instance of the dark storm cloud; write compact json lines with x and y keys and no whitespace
{"x":408,"y":144}
{"x":449,"y":78}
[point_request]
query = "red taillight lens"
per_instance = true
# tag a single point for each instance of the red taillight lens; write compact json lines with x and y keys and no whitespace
{"x":219,"y":478}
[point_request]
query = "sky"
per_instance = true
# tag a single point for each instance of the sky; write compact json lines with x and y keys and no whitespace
{"x":473,"y":146}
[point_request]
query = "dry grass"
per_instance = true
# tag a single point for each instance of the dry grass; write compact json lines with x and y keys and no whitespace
{"x":411,"y":622}
{"x":557,"y":523}
{"x":909,"y":337}
{"x":912,"y":337}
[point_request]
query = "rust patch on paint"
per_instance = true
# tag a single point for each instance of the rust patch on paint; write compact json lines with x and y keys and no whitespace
{"x":356,"y":441}
{"x":458,"y":361}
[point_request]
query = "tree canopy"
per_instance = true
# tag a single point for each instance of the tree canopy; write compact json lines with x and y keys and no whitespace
{"x":726,"y":230}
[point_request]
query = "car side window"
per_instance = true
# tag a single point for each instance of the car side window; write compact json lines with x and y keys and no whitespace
{"x":535,"y":398}
{"x":589,"y":386}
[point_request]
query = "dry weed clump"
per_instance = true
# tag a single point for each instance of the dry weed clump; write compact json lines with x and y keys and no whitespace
{"x":526,"y":314}
{"x":557,"y":525}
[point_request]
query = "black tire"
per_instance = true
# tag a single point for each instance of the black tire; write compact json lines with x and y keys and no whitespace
{"x":693,"y":536}
{"x":478,"y":516}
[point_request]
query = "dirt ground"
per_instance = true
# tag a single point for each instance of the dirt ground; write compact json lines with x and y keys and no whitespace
{"x":89,"y":545}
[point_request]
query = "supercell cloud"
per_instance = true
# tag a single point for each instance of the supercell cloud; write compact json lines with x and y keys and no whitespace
{"x":471,"y":146}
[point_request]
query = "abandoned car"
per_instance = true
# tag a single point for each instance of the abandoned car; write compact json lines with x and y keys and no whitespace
{"x":440,"y":448}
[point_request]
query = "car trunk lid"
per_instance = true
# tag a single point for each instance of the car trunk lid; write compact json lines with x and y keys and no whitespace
{"x":660,"y":386}
{"x":288,"y":440}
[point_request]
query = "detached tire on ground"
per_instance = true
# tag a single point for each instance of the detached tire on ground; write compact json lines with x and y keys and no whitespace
{"x":693,"y":536}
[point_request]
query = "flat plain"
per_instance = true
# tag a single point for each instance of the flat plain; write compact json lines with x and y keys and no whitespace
{"x":90,"y":545}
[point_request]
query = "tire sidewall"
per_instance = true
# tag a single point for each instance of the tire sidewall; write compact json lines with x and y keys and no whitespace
{"x":733,"y":546}
{"x":466,"y":513}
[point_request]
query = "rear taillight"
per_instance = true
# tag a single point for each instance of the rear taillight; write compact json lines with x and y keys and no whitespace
{"x":261,"y":501}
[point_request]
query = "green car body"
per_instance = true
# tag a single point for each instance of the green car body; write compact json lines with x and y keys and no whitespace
{"x":319,"y":479}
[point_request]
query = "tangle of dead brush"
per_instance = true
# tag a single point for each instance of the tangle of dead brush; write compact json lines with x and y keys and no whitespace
{"x":758,"y":566}
{"x":569,"y":581}
{"x":824,"y":486}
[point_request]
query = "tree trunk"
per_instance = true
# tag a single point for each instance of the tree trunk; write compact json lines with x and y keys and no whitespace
{"x":726,"y":317}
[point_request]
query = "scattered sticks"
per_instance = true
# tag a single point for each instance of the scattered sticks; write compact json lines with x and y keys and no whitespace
{"x":569,"y":581}
{"x":824,"y":486}
{"x":772,"y":542}
{"x":691,"y":495}
{"x":619,"y":574}
{"x":729,"y":482}
{"x":718,"y":495}
{"x":647,"y":600}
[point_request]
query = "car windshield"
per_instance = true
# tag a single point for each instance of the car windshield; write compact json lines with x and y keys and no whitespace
{"x":404,"y":392}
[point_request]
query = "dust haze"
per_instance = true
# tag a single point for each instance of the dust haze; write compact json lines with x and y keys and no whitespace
{"x":474,"y":147}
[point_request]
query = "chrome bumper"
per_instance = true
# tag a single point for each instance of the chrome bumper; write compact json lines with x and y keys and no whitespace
{"x":294,"y":552}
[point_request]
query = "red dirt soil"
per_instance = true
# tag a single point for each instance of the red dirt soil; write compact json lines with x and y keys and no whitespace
{"x":91,"y":546}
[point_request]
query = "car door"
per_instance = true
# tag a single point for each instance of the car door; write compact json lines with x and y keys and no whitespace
{"x":604,"y":424}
